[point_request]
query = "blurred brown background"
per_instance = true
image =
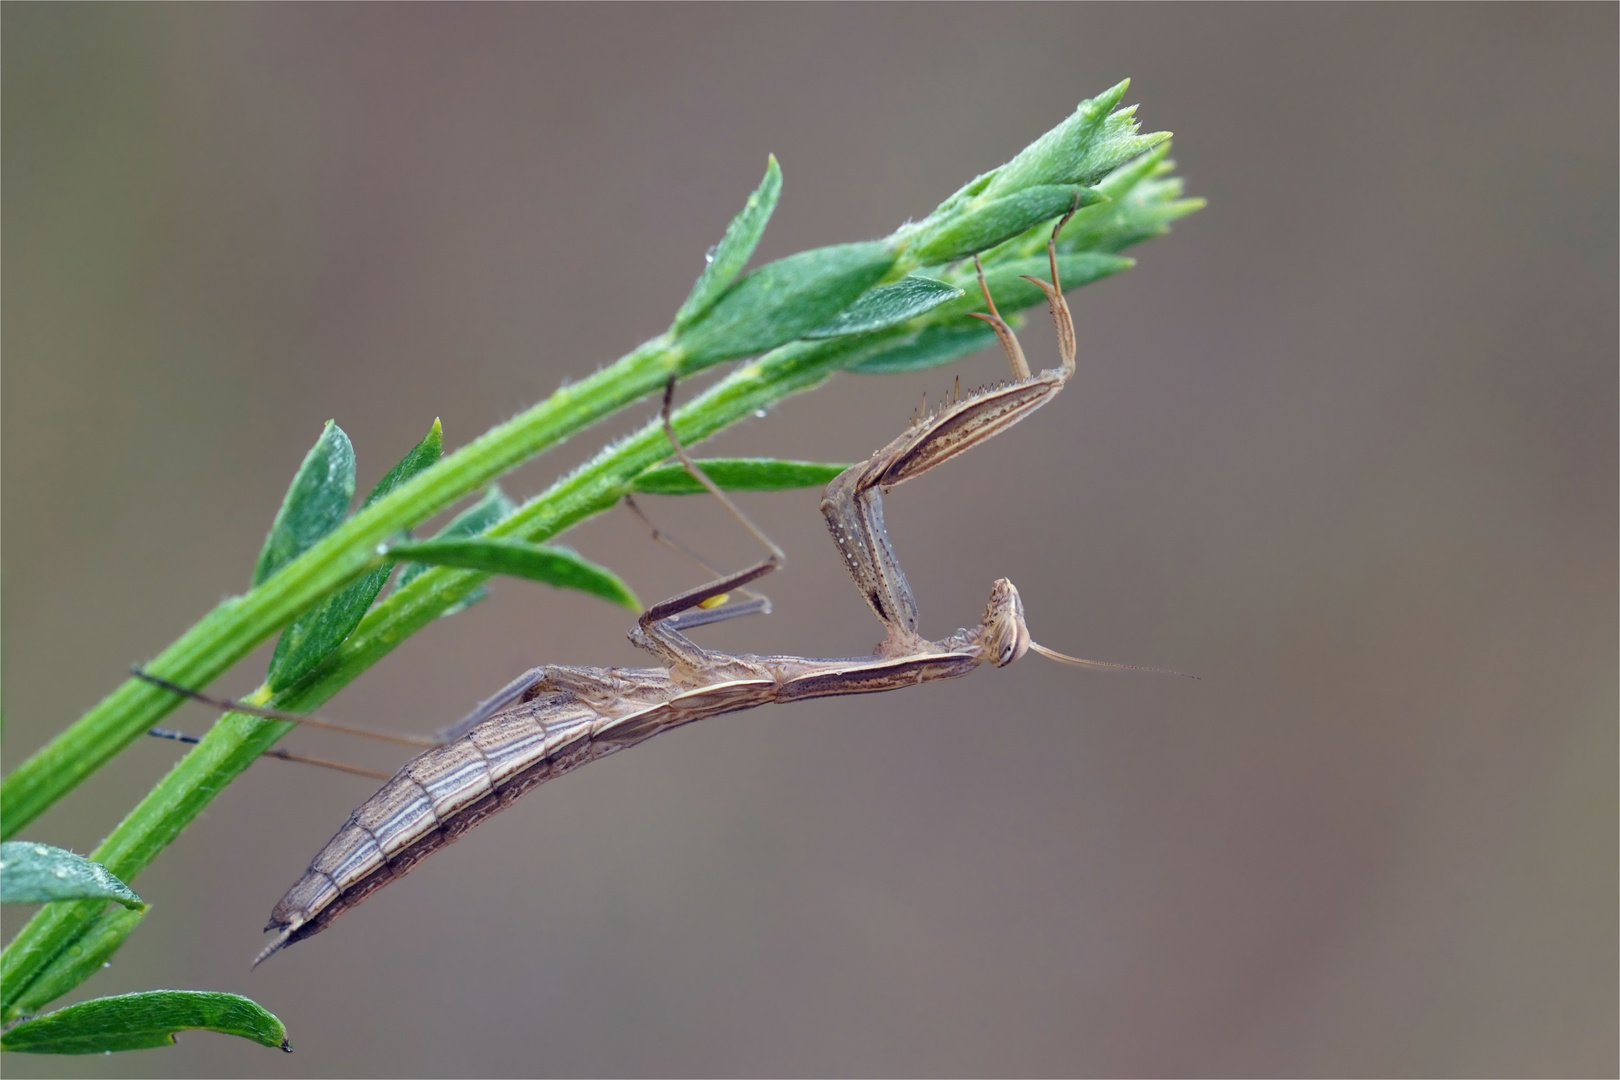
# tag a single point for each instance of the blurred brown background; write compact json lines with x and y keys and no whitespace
{"x":1343,"y":445}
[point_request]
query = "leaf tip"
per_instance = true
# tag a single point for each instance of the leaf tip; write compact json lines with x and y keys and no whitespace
{"x":1109,"y":98}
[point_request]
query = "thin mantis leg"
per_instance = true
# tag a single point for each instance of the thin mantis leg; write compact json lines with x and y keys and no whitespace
{"x":307,"y":719}
{"x":656,"y":630}
{"x":510,"y":693}
{"x":1062,"y":318}
{"x":758,"y":602}
{"x":778,"y":556}
{"x":1004,"y":333}
{"x":277,"y":752}
{"x":661,"y":537}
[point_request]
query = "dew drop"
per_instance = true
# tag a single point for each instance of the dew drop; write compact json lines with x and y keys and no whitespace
{"x":759,"y":414}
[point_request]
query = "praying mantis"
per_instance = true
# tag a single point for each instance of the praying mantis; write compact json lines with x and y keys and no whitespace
{"x":552,"y":719}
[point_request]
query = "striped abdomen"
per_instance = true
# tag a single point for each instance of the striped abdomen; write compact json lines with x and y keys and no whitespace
{"x":445,"y":791}
{"x":433,"y":800}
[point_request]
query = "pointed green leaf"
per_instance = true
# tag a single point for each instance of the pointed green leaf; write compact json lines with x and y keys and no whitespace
{"x":1146,"y":199}
{"x":419,"y":457}
{"x":956,"y":334}
{"x":314,"y":634}
{"x":1095,"y":139}
{"x":987,"y":223}
{"x":727,"y":258}
{"x":1013,"y":293}
{"x":142,"y":1021}
{"x":935,"y":344}
{"x":316,"y":503}
{"x":493,"y":507}
{"x":1124,"y":179}
{"x":888,"y":305}
{"x":81,"y":959}
{"x":516,"y":558}
{"x":784,"y":300}
{"x":33,"y":873}
{"x":738,"y":474}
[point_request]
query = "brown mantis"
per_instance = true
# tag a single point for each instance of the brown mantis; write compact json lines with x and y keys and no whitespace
{"x":552,"y":719}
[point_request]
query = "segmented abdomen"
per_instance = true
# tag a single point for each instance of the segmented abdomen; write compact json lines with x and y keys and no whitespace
{"x":433,"y":800}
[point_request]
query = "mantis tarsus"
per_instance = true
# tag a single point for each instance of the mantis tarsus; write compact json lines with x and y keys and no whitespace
{"x":552,"y":719}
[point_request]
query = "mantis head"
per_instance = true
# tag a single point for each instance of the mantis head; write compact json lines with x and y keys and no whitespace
{"x":1002,"y":633}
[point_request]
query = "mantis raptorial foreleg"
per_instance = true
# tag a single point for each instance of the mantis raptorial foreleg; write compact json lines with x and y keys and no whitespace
{"x":853,"y":505}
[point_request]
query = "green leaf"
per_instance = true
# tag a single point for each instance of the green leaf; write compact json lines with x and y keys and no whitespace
{"x":419,"y":457}
{"x":987,"y":223}
{"x":738,"y":474}
{"x":37,"y":873}
{"x":314,"y":634}
{"x":316,"y":503}
{"x":517,"y":558}
{"x":143,"y":1021}
{"x":784,"y":300}
{"x":727,"y":258}
{"x":956,"y":334}
{"x":1093,"y":141}
{"x":888,"y":305}
{"x":80,"y":959}
{"x":933,"y":345}
{"x":1013,"y":293}
{"x":487,"y":511}
{"x":1146,"y":199}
